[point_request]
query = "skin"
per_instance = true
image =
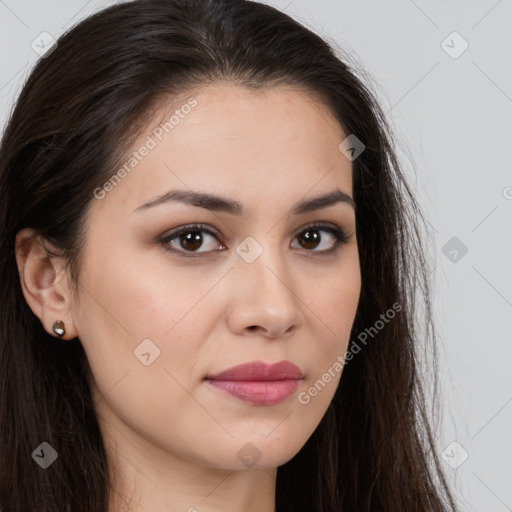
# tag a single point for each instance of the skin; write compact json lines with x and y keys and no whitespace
{"x":172,"y":440}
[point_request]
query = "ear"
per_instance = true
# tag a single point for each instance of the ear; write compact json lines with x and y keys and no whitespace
{"x":44,"y":282}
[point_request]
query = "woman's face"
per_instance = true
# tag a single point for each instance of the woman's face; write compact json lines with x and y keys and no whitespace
{"x":253,"y":283}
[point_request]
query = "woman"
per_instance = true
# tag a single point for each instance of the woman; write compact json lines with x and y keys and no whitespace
{"x":209,"y":262}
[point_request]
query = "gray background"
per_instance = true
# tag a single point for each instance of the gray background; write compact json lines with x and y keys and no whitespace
{"x":452,"y":116}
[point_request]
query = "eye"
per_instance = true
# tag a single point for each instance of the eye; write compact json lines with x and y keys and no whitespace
{"x":190,"y":238}
{"x":312,"y":239}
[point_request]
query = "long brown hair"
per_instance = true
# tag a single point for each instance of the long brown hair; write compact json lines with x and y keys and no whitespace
{"x":374,"y":449}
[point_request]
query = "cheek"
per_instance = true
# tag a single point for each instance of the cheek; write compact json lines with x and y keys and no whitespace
{"x":142,"y":335}
{"x":333,"y":305}
{"x":129,"y":310}
{"x":139,"y":294}
{"x":332,"y":309}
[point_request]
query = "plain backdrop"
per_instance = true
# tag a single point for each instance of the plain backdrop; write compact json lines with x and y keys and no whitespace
{"x":443,"y":74}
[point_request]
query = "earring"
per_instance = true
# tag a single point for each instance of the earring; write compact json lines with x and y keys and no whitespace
{"x":58,"y":328}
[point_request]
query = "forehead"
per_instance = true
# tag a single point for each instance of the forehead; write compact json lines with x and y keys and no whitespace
{"x":260,"y":146}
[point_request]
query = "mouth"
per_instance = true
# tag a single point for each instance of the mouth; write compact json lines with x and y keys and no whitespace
{"x":259,"y":383}
{"x":258,"y":392}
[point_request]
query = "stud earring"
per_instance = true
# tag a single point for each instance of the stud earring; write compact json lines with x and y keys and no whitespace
{"x":58,"y":328}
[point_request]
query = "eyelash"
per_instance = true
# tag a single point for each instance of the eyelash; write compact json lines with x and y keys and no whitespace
{"x":340,"y":238}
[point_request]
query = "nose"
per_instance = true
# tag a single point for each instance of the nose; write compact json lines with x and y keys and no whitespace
{"x":264,"y":299}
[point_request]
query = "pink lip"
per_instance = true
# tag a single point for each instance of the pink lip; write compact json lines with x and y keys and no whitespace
{"x":258,"y":382}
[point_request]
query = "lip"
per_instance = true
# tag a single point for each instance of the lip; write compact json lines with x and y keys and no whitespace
{"x":258,"y":370}
{"x":258,"y":382}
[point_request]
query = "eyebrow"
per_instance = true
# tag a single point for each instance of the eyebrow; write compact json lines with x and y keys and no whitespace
{"x":221,"y":204}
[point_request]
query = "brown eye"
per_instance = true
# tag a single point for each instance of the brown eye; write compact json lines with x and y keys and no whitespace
{"x":189,"y":239}
{"x":326,"y":236}
{"x":311,"y":238}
